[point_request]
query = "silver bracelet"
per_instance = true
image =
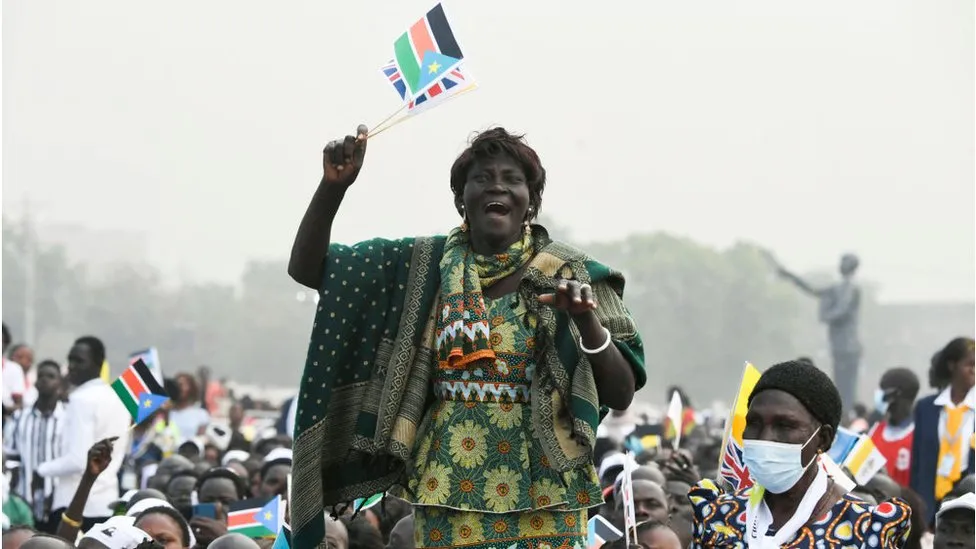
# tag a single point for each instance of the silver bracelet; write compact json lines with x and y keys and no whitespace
{"x":599,"y":349}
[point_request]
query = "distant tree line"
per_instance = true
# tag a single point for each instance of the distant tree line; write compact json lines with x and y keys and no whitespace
{"x":702,"y":313}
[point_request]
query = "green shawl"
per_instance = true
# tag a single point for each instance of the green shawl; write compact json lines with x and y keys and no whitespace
{"x":366,"y":384}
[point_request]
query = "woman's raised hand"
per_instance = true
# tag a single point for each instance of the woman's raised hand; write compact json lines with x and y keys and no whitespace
{"x":343,"y":158}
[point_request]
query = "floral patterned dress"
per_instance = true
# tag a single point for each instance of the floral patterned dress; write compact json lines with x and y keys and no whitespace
{"x":481,"y":477}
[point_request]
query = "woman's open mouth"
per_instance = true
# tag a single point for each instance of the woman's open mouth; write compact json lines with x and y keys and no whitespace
{"x":496,"y":209}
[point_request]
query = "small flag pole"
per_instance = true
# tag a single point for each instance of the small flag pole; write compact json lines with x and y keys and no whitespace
{"x":378,"y":130}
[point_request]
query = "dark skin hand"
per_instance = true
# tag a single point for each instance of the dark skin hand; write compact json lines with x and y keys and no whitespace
{"x":99,"y":457}
{"x":614,"y":378}
{"x":681,"y":466}
{"x":205,"y":530}
{"x":341,"y":162}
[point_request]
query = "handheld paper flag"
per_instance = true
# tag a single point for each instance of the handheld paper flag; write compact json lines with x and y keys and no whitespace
{"x":864,"y":460}
{"x":271,"y":514}
{"x":675,"y":410}
{"x":427,"y":51}
{"x":105,"y":373}
{"x":243,"y":517}
{"x":844,"y":442}
{"x":150,"y":357}
{"x":600,"y":531}
{"x":283,"y":541}
{"x":139,"y":391}
{"x":627,"y":493}
{"x":362,"y":504}
{"x":453,"y":83}
{"x":730,"y":462}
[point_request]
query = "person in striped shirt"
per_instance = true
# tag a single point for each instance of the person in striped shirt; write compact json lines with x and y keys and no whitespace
{"x":33,"y":437}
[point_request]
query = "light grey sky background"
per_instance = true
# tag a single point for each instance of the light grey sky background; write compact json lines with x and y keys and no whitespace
{"x":813,"y":128}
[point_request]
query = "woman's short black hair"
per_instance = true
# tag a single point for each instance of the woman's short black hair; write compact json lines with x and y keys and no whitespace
{"x":229,"y":474}
{"x":173,"y":514}
{"x":494,"y":143}
{"x":954,"y":351}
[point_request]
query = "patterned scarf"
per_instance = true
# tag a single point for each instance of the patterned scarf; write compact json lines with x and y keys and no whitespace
{"x":463,"y":330}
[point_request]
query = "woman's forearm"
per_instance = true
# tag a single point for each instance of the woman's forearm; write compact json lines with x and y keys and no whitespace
{"x":314,"y":234}
{"x":76,"y":509}
{"x":612,"y":373}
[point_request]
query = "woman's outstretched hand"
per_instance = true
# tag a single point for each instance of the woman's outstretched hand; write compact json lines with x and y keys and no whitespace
{"x":99,"y":456}
{"x":571,"y":296}
{"x":343,"y":158}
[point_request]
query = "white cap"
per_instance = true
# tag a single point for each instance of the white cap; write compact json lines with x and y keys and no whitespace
{"x":616,"y":459}
{"x":219,"y":435}
{"x":966,"y":501}
{"x":147,"y":503}
{"x":234,"y":455}
{"x":278,"y":453}
{"x":117,"y":533}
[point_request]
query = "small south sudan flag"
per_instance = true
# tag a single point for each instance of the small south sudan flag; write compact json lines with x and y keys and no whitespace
{"x":139,"y":391}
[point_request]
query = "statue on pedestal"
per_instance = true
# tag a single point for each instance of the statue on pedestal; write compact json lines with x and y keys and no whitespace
{"x":839,"y":307}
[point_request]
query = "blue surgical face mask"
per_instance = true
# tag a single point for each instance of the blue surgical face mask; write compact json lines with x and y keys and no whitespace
{"x":880,"y":404}
{"x":776,"y":466}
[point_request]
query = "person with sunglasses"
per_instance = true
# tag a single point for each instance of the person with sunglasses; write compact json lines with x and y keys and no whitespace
{"x":895,"y":400}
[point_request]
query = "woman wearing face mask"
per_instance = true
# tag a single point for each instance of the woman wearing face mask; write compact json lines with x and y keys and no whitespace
{"x":793,"y":414}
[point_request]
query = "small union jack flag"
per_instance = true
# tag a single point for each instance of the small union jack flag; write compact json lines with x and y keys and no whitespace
{"x":733,"y":469}
{"x":452,"y":83}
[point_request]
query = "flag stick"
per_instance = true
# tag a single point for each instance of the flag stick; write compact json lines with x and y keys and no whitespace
{"x":380,"y":128}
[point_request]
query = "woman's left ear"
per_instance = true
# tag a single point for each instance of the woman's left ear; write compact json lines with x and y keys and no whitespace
{"x":826,"y":438}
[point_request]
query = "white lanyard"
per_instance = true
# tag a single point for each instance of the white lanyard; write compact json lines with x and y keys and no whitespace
{"x":759,"y":518}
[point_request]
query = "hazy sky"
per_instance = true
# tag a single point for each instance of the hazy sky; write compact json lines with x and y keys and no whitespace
{"x":811,"y":127}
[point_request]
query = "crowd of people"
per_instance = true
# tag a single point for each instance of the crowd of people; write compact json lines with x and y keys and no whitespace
{"x":457,"y":393}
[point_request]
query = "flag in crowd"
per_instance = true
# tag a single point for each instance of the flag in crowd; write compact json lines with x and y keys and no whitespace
{"x":599,"y":531}
{"x":283,"y":540}
{"x":256,"y":517}
{"x":675,"y":412}
{"x":455,"y":82}
{"x":731,"y":466}
{"x":427,"y":51}
{"x":150,"y":357}
{"x":139,"y":391}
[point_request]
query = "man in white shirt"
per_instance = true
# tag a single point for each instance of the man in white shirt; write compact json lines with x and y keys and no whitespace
{"x":93,"y":413}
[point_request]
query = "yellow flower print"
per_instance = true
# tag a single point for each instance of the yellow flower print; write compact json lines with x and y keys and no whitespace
{"x":435,"y":485}
{"x":501,"y":488}
{"x":500,"y":526}
{"x":467,"y":444}
{"x":442,"y":411}
{"x":504,"y":415}
{"x":503,"y":337}
{"x":547,"y":493}
{"x":467,"y":528}
{"x":569,"y":519}
{"x":533,"y":524}
{"x":497,"y":321}
{"x":582,"y":497}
